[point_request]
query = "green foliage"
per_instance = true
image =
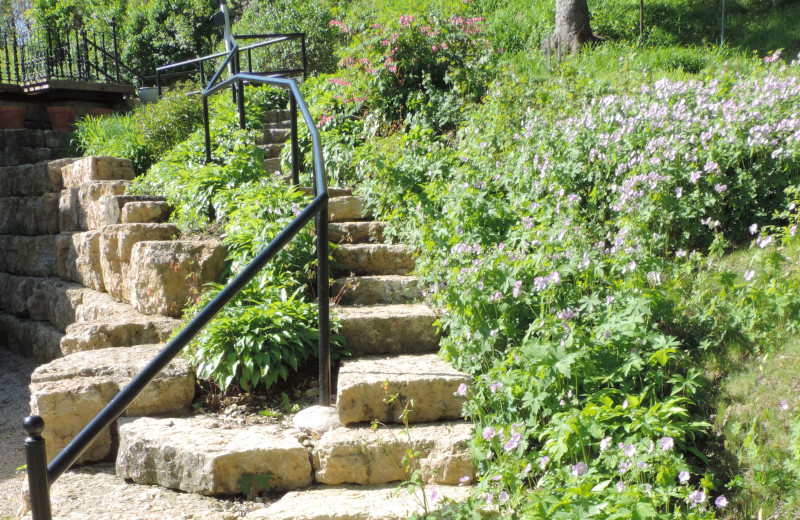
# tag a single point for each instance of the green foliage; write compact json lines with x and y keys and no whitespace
{"x":290,"y":16}
{"x":145,"y":134}
{"x":159,"y":32}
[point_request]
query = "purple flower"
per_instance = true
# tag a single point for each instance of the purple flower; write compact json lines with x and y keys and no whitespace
{"x":495,"y":386}
{"x":784,"y":404}
{"x":620,"y":486}
{"x":683,"y":477}
{"x":624,"y":467}
{"x":527,"y":469}
{"x":488,"y":433}
{"x":489,"y":498}
{"x":513,"y":442}
{"x":792,"y":231}
{"x":605,"y":443}
{"x":698,"y":496}
{"x":464,"y":480}
{"x":502,"y":497}
{"x":666,"y":443}
{"x":579,"y":469}
{"x":462,"y":390}
{"x":517,"y":286}
{"x":434,"y":494}
{"x":630,"y":450}
{"x":721,"y":501}
{"x":543,"y":462}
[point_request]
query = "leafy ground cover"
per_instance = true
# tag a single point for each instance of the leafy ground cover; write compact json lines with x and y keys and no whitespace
{"x":611,"y":239}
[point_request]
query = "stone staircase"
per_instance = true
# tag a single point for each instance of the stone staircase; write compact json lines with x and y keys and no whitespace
{"x":121,"y":283}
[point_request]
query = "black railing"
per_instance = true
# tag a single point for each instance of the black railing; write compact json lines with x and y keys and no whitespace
{"x":47,"y":53}
{"x":196,"y":68}
{"x":41,"y":475}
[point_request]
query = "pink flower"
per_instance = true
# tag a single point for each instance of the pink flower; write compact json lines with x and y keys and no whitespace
{"x":667,"y":443}
{"x":579,"y":469}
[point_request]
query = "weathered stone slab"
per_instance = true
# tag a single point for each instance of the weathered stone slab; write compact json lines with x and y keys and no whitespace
{"x":357,"y":503}
{"x":116,"y":244}
{"x":38,"y":340}
{"x":37,"y":215}
{"x":70,"y":391}
{"x":276,"y":116}
{"x":346,"y":208}
{"x":165,"y":276}
{"x":200,"y":455}
{"x":117,"y":331}
{"x":81,"y":208}
{"x":41,"y":299}
{"x":88,"y":169}
{"x":96,"y":305}
{"x":389,"y":329}
{"x":272,"y":165}
{"x":276,"y":134}
{"x":424,"y":379}
{"x":368,"y":259}
{"x":365,"y":456}
{"x":32,"y":179}
{"x":30,"y":256}
{"x":133,"y":209}
{"x":83,"y":260}
{"x":356,"y":232}
{"x":371,"y":290}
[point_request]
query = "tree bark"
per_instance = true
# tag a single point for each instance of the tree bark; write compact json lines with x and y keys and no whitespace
{"x":572,"y":28}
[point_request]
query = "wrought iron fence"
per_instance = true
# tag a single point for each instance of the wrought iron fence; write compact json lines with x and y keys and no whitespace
{"x":44,"y":54}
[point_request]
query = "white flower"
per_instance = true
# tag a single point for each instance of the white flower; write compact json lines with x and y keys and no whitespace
{"x":748,"y":275}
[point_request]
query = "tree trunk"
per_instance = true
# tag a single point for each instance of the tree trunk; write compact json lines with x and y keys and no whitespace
{"x":572,"y":28}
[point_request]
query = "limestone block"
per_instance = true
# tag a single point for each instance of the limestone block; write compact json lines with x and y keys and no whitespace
{"x":89,"y":169}
{"x":116,"y":244}
{"x":356,"y":232}
{"x":31,"y":179}
{"x":369,"y":259}
{"x":81,"y":208}
{"x":116,"y":331}
{"x":97,"y":305}
{"x":83,"y":260}
{"x":356,"y":503}
{"x":376,"y":289}
{"x":70,"y":391}
{"x":200,"y":455}
{"x":389,"y":329}
{"x":369,"y":457}
{"x":165,"y":276}
{"x":424,"y":379}
{"x":37,"y":215}
{"x":29,"y":256}
{"x":146,"y":211}
{"x":345,"y":208}
{"x":37,"y":340}
{"x":41,"y":299}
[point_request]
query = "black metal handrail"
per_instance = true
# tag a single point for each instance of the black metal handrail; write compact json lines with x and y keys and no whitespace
{"x":41,"y":475}
{"x":270,"y":39}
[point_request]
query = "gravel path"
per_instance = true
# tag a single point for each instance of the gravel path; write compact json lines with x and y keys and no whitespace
{"x":92,"y":491}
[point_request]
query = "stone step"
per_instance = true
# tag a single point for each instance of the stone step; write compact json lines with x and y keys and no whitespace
{"x":43,"y":299}
{"x":273,"y":165}
{"x":272,"y":150}
{"x":68,"y":393}
{"x":333,"y":191}
{"x":376,"y":289}
{"x":88,"y":169}
{"x":370,"y":259}
{"x":389,"y":329}
{"x":37,"y":340}
{"x":32,"y":179}
{"x":115,"y":247}
{"x":206,"y":456}
{"x":276,"y":116}
{"x":166,"y":276}
{"x":276,"y":134}
{"x":35,"y":215}
{"x":82,"y":208}
{"x":43,"y":255}
{"x":367,"y":456}
{"x":429,"y":382}
{"x":119,"y":330}
{"x":358,"y":503}
{"x":134,"y":209}
{"x":356,"y":232}
{"x":349,"y":207}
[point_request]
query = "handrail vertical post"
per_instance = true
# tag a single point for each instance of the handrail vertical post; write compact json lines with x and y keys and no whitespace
{"x":323,"y":297}
{"x":240,"y":89}
{"x":295,"y":142}
{"x":303,"y":49}
{"x":36,"y":460}
{"x":158,"y":82}
{"x":207,"y":130}
{"x":116,"y":50}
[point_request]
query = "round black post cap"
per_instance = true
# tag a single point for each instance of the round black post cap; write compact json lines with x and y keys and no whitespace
{"x":34,"y":425}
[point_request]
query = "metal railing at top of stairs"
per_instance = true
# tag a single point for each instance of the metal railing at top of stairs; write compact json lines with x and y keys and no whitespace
{"x":41,"y":475}
{"x":267,"y":40}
